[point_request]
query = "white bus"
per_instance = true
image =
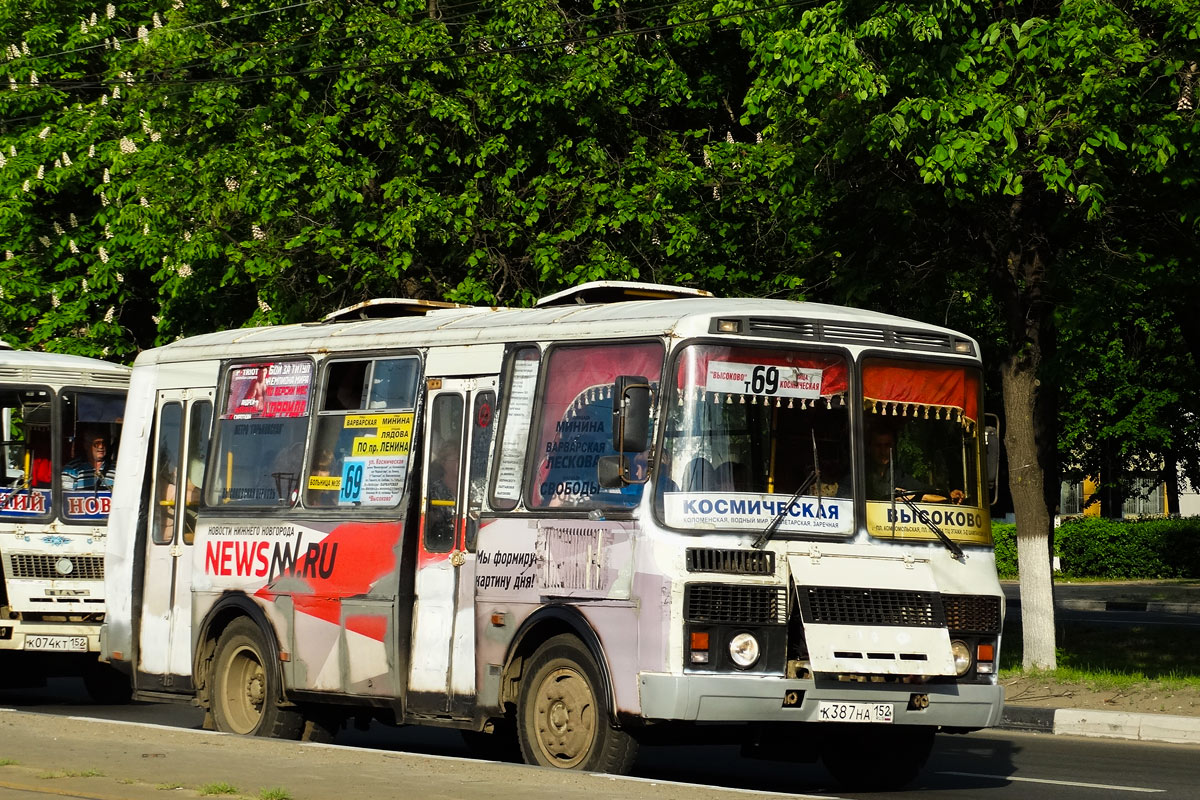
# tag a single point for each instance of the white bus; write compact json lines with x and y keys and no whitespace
{"x":439,"y":515}
{"x":60,"y":419}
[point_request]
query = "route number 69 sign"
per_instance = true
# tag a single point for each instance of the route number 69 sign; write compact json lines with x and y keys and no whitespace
{"x":763,"y":379}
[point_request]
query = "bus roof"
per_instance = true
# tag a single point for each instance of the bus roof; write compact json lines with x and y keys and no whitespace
{"x":26,"y":366}
{"x":683,"y":317}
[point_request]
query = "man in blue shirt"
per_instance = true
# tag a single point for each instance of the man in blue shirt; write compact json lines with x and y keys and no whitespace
{"x":92,"y":468}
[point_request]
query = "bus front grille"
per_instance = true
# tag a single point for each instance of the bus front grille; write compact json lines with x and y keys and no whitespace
{"x":831,"y":605}
{"x":87,"y":568}
{"x":735,"y":562}
{"x":972,"y":613}
{"x":717,"y":603}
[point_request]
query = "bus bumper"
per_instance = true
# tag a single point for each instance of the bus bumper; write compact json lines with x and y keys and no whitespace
{"x":758,"y":698}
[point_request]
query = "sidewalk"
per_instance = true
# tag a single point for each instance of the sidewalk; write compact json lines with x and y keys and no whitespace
{"x":1162,"y":597}
{"x":88,"y":759}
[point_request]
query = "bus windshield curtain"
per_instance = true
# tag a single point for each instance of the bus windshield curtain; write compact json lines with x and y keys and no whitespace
{"x":694,"y":369}
{"x":930,"y":391}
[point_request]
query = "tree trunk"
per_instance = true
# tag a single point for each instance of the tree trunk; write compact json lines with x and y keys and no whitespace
{"x":1025,"y":481}
{"x":1022,"y":282}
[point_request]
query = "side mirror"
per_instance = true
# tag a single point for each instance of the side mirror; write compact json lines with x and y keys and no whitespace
{"x":631,"y":414}
{"x":612,"y":472}
{"x":991,"y":441}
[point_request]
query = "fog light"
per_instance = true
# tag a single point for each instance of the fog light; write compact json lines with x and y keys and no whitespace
{"x":962,"y":656}
{"x":743,"y":649}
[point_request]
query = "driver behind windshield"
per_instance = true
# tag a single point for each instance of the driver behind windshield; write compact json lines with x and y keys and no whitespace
{"x":885,"y":481}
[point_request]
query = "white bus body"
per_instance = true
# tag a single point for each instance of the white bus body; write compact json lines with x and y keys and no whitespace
{"x":417,"y":518}
{"x":53,"y":515}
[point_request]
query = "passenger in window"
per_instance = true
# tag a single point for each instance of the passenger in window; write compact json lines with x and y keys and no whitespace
{"x":322,"y":468}
{"x":699,"y":476}
{"x":91,"y":468}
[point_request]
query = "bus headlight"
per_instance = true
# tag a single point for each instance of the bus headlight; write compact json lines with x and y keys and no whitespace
{"x":744,"y":650}
{"x":962,"y":656}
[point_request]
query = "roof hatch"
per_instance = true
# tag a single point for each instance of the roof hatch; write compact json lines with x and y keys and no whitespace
{"x":387,"y":308}
{"x":617,"y":292}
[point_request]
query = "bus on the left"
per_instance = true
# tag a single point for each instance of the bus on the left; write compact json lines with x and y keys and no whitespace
{"x":60,"y":426}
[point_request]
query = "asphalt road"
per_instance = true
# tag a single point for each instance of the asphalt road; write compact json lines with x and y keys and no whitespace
{"x":994,"y":764}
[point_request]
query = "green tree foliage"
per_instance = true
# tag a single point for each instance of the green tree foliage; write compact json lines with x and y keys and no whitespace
{"x":173,"y":166}
{"x":257,"y":164}
{"x":996,"y":148}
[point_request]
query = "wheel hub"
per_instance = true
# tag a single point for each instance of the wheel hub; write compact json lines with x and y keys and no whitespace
{"x":566,"y":718}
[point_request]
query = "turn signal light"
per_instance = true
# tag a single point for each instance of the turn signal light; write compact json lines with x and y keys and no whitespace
{"x":699,"y":647}
{"x":985,"y":652}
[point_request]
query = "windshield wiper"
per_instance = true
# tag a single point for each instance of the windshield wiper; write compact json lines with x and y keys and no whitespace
{"x":920,"y":513}
{"x":813,"y":477}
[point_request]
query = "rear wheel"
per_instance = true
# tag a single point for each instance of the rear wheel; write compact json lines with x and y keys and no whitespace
{"x":563,"y":720}
{"x":877,"y":758}
{"x":246,"y":688}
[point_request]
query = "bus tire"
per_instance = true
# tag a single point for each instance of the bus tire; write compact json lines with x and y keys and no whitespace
{"x":246,"y":686}
{"x":562,"y":718}
{"x":876,"y":758}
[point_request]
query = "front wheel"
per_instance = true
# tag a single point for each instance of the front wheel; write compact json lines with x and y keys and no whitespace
{"x":246,"y":686}
{"x":562,"y":718}
{"x":876,"y":758}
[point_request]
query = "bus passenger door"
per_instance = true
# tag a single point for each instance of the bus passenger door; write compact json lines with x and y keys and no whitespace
{"x":457,"y":442}
{"x":183,"y":424}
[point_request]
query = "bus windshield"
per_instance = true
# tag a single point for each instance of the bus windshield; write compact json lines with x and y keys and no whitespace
{"x":921,"y":445}
{"x":748,"y":428}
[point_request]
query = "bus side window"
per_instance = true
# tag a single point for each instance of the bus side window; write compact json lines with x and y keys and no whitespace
{"x":25,"y":441}
{"x":445,"y":446}
{"x":166,"y":473}
{"x":363,"y":433}
{"x":261,"y":434}
{"x":519,"y":390}
{"x":199,"y":432}
{"x":575,"y":422}
{"x":482,"y":418}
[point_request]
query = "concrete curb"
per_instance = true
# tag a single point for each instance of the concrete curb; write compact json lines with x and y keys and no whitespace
{"x":1102,"y":724}
{"x":1147,"y":606}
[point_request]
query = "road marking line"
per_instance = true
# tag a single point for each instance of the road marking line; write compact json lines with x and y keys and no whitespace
{"x":709,"y":786}
{"x":1109,"y":787}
